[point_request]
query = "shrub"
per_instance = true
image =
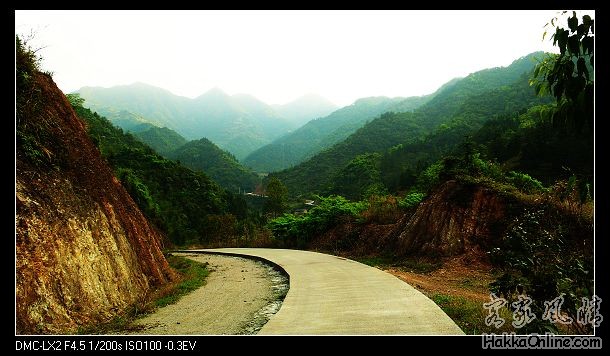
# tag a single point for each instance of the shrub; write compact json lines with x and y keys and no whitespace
{"x":297,"y":231}
{"x":411,"y":200}
{"x":382,"y":210}
{"x":429,"y":178}
{"x":544,"y":252}
{"x":524,"y":182}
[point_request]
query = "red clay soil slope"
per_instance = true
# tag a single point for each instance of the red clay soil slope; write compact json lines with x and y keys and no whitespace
{"x":84,"y":251}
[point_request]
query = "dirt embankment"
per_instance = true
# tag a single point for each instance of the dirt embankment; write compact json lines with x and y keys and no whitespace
{"x":84,"y":251}
{"x":455,"y":219}
{"x":239,"y":297}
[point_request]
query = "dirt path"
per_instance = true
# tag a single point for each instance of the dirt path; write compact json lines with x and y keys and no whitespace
{"x":238,"y":298}
{"x":464,"y":276}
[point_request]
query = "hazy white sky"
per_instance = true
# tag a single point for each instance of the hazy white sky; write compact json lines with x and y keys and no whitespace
{"x":278,"y":56}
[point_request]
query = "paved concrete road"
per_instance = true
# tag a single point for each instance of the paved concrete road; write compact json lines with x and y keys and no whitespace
{"x":334,"y":295}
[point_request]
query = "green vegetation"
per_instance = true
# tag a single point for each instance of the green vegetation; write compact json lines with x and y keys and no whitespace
{"x":409,"y":142}
{"x":277,"y":194}
{"x":204,"y":156}
{"x":314,"y":175}
{"x":124,"y":119}
{"x":162,"y":140}
{"x":30,"y":138}
{"x":360,"y":178}
{"x":530,"y":143}
{"x":470,"y":315}
{"x":192,"y":276}
{"x":569,"y":75}
{"x":401,"y":164}
{"x":296,"y":231}
{"x":411,"y":263}
{"x":322,"y":133}
{"x":182,"y":203}
{"x":411,"y":200}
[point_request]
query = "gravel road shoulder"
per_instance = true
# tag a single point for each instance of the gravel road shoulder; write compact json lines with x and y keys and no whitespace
{"x":239,"y":297}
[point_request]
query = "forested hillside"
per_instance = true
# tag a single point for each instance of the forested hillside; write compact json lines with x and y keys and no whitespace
{"x":161,"y":139}
{"x":313,"y":175}
{"x":202,"y":155}
{"x":459,"y":108}
{"x":322,"y":133}
{"x":401,"y":164}
{"x":186,"y":205}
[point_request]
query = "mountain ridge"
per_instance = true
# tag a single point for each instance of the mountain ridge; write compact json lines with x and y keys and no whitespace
{"x":314,"y":175}
{"x":239,"y":123}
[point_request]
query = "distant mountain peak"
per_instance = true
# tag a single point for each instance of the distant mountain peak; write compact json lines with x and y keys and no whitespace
{"x":305,"y":108}
{"x":215,"y":91}
{"x":140,"y":84}
{"x":371,"y":100}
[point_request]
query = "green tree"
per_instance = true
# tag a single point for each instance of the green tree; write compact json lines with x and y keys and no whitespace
{"x":75,"y":99}
{"x":277,"y":194}
{"x":569,"y":75}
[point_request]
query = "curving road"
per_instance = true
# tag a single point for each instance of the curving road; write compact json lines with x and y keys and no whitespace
{"x":334,"y":295}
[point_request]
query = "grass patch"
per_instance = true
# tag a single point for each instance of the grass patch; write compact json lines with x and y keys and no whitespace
{"x":412,"y":264}
{"x":470,"y":315}
{"x":192,"y":276}
{"x":377,"y":261}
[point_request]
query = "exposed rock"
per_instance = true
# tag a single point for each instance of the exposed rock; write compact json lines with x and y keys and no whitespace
{"x":84,"y":251}
{"x":455,"y":217}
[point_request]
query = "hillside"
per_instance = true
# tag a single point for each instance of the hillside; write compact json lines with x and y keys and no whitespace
{"x":161,"y":139}
{"x":313,"y":175}
{"x":469,"y":101}
{"x":400,"y":165}
{"x":239,"y":123}
{"x":182,"y":203}
{"x":84,"y":251}
{"x":202,"y":155}
{"x":156,"y":105}
{"x":322,"y":133}
{"x":447,"y":103}
{"x":127,"y":120}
